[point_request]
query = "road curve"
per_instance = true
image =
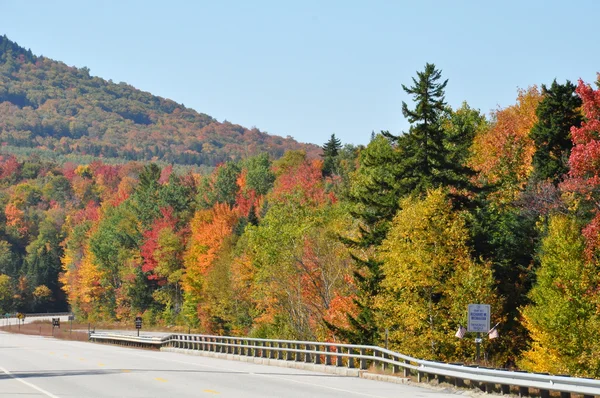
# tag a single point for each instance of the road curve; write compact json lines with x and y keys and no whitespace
{"x":34,"y":366}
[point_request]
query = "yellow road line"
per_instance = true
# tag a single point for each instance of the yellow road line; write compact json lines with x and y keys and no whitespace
{"x":211,"y":392}
{"x":160,"y":379}
{"x":101,"y":364}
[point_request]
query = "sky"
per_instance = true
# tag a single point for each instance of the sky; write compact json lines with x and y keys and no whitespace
{"x":309,"y":69}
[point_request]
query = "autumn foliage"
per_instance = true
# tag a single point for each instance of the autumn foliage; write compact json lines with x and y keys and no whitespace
{"x":398,"y":235}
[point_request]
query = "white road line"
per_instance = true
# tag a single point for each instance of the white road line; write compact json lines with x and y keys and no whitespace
{"x":46,"y":393}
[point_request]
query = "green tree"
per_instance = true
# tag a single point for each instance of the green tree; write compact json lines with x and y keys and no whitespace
{"x":59,"y":189}
{"x":426,"y":163}
{"x":374,"y":197}
{"x":6,"y":294}
{"x":260,"y":178}
{"x":8,"y":263}
{"x":221,"y":186}
{"x":114,"y":245}
{"x":507,"y":237}
{"x":558,"y":111}
{"x":460,"y":127}
{"x":563,"y":317}
{"x":43,"y":260}
{"x":330,"y":154}
{"x":145,"y":200}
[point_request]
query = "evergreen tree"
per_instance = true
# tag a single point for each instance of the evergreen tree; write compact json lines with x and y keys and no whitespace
{"x":433,"y":157}
{"x":374,"y":196}
{"x":425,"y":164}
{"x":145,"y":200}
{"x":557,"y":113}
{"x":330,"y":154}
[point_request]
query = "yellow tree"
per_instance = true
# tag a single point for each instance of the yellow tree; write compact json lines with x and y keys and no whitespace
{"x":563,"y":317}
{"x":429,"y":279}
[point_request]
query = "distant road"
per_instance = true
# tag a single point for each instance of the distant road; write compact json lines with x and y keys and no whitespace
{"x":34,"y":366}
{"x":14,"y":321}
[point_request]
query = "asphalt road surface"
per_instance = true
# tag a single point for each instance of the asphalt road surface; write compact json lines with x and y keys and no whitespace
{"x":34,"y":366}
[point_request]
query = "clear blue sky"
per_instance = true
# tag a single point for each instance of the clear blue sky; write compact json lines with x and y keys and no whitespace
{"x":312,"y":68}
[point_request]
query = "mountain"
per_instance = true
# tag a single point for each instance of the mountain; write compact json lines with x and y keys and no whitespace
{"x":47,"y":105}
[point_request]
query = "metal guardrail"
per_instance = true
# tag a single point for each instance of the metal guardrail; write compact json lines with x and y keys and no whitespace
{"x":362,"y":357}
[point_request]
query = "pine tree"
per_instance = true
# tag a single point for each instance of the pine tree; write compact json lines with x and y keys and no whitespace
{"x":428,"y":158}
{"x":557,"y":113}
{"x":423,"y":144}
{"x":374,"y":197}
{"x":331,"y":151}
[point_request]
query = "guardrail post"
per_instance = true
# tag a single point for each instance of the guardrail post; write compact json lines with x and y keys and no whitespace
{"x":406,"y":369}
{"x":296,"y":353}
{"x":317,"y":356}
{"x":350,"y":359}
{"x":280,"y":351}
{"x":565,"y":394}
{"x":339,"y":361}
{"x":504,"y":389}
{"x":458,"y":382}
{"x":327,"y":356}
{"x":363,"y":360}
{"x":383,"y":363}
{"x":419,"y":376}
{"x":263,"y":350}
{"x":307,"y":355}
{"x":524,"y":392}
{"x":288,"y":353}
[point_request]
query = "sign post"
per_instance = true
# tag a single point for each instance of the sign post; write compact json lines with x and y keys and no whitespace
{"x":21,"y":319}
{"x":138,"y":324}
{"x":479,"y":322}
{"x":55,"y":324}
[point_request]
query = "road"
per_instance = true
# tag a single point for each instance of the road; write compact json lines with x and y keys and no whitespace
{"x":34,"y":366}
{"x":30,"y":319}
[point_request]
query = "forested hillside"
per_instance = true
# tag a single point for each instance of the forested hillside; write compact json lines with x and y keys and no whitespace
{"x":395,"y":238}
{"x":48,"y":105}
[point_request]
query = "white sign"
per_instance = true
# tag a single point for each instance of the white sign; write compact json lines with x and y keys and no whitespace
{"x":479,"y":318}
